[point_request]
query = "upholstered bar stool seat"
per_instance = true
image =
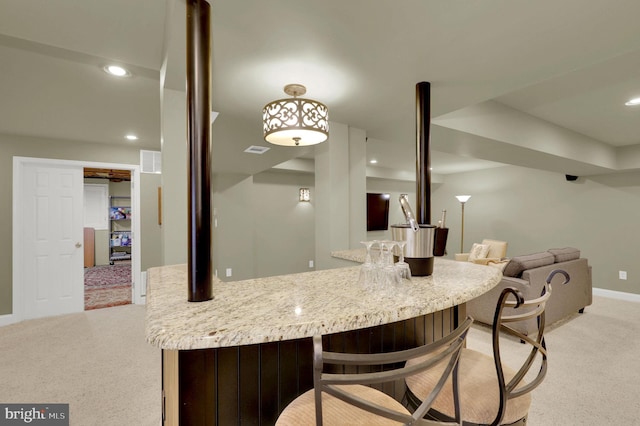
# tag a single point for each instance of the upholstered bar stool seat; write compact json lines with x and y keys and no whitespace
{"x":480,"y":397}
{"x":489,"y":392}
{"x":302,"y":411}
{"x":343,"y":392}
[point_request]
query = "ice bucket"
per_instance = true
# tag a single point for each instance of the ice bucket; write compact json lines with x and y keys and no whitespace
{"x":418,"y":252}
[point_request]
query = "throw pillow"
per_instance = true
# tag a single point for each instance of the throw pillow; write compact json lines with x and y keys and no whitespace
{"x":519,"y":264}
{"x":478,"y":251}
{"x":565,"y":254}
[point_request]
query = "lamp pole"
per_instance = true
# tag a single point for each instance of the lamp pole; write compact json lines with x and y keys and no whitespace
{"x":463,"y":199}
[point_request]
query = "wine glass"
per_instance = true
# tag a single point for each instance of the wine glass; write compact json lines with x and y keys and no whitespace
{"x":389,"y":274}
{"x":368,"y":268}
{"x":401,"y":266}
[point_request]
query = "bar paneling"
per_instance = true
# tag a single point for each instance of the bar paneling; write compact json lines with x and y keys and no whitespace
{"x":252,"y":384}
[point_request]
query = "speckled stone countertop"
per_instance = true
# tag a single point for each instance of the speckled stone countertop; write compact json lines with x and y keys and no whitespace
{"x":299,"y":305}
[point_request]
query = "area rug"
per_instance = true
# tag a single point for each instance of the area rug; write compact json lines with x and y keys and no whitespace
{"x":106,"y":286}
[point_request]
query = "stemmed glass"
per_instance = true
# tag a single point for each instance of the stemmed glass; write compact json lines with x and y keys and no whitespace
{"x":388,"y":271}
{"x":368,"y":268}
{"x":401,"y":266}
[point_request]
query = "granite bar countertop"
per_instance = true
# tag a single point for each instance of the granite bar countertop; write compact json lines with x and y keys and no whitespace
{"x":299,"y":305}
{"x":354,"y":255}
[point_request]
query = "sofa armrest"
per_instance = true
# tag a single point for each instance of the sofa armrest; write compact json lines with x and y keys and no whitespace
{"x":486,"y":260}
{"x":482,"y":308}
{"x":462,"y":257}
{"x":518,"y":283}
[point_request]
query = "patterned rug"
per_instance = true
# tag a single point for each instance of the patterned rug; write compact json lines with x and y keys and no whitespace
{"x":106,"y":286}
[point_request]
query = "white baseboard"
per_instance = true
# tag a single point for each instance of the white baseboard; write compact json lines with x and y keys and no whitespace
{"x":7,"y":319}
{"x":612,"y":294}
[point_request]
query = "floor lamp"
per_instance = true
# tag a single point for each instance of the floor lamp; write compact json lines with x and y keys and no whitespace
{"x":463,"y":199}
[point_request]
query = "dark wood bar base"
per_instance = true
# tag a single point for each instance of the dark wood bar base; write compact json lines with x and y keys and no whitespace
{"x":252,"y":384}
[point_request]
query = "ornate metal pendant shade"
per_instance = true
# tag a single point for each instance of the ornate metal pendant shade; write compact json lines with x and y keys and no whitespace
{"x":295,"y":121}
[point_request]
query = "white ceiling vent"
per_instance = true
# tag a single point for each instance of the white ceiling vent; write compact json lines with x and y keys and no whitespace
{"x":150,"y":161}
{"x":256,"y":149}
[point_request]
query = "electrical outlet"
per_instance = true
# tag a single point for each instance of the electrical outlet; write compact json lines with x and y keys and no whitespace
{"x":228,"y":272}
{"x":311,"y":264}
{"x":622,"y":275}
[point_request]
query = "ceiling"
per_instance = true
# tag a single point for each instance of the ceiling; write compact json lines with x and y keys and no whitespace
{"x":539,"y":84}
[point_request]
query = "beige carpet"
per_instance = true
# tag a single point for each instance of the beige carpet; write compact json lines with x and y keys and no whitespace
{"x":99,"y":362}
{"x":594,"y":367}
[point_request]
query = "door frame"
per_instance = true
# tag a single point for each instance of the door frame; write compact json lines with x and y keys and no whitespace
{"x":137,"y":295}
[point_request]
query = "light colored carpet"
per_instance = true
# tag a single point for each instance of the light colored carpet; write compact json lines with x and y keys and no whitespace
{"x":99,"y":362}
{"x":594,"y":366}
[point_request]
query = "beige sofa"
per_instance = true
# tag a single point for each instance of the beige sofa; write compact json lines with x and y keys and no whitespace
{"x":528,"y":274}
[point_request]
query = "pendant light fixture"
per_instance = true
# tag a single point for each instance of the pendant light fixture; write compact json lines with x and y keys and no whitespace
{"x":295,"y":121}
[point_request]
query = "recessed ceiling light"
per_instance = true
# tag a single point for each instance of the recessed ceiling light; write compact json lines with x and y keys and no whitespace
{"x":131,"y":137}
{"x":117,"y":70}
{"x":373,"y":161}
{"x":632,"y":102}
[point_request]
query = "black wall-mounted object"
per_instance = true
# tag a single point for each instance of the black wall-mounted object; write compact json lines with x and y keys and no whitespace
{"x":377,"y":212}
{"x":571,"y":178}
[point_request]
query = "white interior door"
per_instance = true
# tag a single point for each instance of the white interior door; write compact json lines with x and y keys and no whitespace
{"x":51,"y":239}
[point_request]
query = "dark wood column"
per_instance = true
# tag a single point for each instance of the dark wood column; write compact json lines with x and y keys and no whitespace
{"x":199,"y":150}
{"x":423,"y":160}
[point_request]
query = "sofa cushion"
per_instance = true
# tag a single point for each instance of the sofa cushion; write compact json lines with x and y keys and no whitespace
{"x":478,"y":251}
{"x":565,"y":254}
{"x":521,"y":263}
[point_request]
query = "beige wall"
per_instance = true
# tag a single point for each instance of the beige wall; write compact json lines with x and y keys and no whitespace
{"x":174,"y":177}
{"x":151,"y":230}
{"x":340,"y":183}
{"x":11,"y":145}
{"x":535,"y":210}
{"x":233,"y":237}
{"x":262,"y":229}
{"x":284,"y":227}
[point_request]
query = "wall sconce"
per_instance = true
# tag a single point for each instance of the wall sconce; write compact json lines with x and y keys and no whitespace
{"x":305,"y":194}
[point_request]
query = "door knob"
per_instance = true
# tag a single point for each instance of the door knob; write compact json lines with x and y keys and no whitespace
{"x":78,"y":245}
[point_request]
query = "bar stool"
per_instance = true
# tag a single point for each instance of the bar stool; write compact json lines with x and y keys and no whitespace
{"x":491,"y":393}
{"x":341,"y":395}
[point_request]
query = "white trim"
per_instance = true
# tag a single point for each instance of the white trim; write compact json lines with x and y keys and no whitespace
{"x":7,"y":319}
{"x":612,"y":294}
{"x":18,"y":164}
{"x":16,"y":310}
